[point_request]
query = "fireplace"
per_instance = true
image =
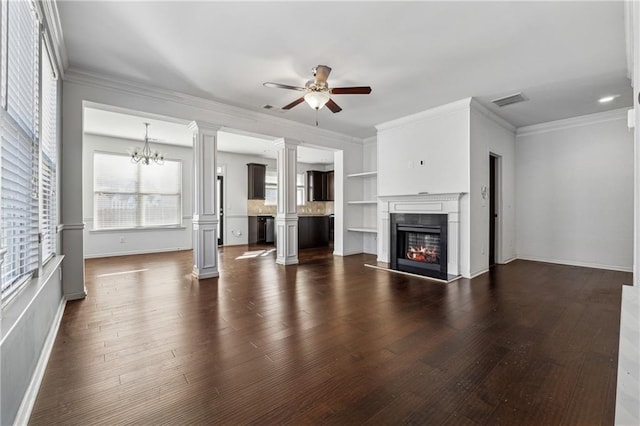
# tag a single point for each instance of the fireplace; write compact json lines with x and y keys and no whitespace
{"x":419,"y":244}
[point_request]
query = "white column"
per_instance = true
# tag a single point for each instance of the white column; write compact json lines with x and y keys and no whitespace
{"x":205,"y":210}
{"x":287,"y":212}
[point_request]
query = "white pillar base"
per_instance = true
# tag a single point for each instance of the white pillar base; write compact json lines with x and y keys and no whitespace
{"x":205,"y":243}
{"x":287,"y":232}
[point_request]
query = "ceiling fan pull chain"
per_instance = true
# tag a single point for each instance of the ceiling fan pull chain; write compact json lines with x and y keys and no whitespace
{"x":316,"y":117}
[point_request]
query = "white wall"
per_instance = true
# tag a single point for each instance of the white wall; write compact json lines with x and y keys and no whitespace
{"x":491,"y":135}
{"x":574,"y":183}
{"x":109,"y":243}
{"x":440,"y":139}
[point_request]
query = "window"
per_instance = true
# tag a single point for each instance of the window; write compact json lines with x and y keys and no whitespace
{"x":128,"y":195}
{"x":300,"y":189}
{"x":48,"y":155}
{"x":19,"y":123}
{"x":271,"y":188}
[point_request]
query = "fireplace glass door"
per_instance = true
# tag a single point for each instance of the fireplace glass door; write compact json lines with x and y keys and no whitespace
{"x":422,"y":247}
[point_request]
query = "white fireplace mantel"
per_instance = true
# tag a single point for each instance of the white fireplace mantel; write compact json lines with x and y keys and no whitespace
{"x":424,"y":203}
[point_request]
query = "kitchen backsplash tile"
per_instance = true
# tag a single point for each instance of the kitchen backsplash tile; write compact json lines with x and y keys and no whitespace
{"x":257,"y":207}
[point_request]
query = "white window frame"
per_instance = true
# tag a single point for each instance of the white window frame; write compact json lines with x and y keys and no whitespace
{"x":140,"y":195}
{"x":271,"y":185}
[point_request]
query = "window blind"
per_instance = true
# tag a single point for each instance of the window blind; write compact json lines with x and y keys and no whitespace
{"x":128,"y":195}
{"x":22,"y":65}
{"x":48,"y":206}
{"x":19,"y":205}
{"x":19,"y":144}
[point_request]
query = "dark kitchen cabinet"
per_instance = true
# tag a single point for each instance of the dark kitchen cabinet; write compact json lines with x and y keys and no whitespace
{"x":313,"y":231}
{"x":255,"y":181}
{"x":319,"y":185}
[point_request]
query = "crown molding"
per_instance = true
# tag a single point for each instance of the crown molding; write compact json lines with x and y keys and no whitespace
{"x":629,"y":31}
{"x":369,"y":140}
{"x":584,"y":120}
{"x":442,"y":109}
{"x":48,"y":10}
{"x":222,"y":111}
{"x":477,"y":106}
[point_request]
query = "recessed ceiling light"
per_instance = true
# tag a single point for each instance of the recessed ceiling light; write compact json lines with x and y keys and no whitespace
{"x":606,"y":99}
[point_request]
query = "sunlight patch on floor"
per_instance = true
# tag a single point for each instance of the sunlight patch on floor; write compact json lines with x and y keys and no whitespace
{"x":121,"y":273}
{"x":255,"y":253}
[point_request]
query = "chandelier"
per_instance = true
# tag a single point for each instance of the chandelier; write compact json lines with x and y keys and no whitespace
{"x":145,"y":155}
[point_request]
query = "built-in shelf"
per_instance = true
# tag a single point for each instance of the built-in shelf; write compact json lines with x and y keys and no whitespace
{"x":362,"y":174}
{"x":367,"y":230}
{"x":363,"y":202}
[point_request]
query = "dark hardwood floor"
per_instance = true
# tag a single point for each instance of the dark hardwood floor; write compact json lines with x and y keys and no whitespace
{"x":332,"y":341}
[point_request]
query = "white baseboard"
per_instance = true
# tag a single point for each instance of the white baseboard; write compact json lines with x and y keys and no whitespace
{"x":29,"y":399}
{"x":504,"y":262}
{"x":131,"y":253}
{"x":347,"y":253}
{"x":476,"y":274}
{"x":575,"y":263}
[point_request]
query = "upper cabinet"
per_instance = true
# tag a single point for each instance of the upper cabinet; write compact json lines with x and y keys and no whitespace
{"x":319,"y":185}
{"x":255,"y":181}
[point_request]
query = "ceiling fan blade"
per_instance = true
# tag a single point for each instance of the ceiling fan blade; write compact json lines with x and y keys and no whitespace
{"x":363,"y":90}
{"x":333,"y":106}
{"x":283,"y":86}
{"x":294,"y":103}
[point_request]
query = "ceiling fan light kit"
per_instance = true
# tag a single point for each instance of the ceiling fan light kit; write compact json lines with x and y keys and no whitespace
{"x":318,"y":94}
{"x":317,"y":100}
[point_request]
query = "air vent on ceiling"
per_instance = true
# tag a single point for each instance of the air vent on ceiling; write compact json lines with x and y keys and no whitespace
{"x":511,"y":99}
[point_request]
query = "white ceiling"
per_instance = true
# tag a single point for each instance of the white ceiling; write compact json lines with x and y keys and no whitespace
{"x":415,"y":55}
{"x":100,"y":120}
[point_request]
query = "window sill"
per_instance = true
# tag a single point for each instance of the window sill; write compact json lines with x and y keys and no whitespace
{"x":143,"y":229}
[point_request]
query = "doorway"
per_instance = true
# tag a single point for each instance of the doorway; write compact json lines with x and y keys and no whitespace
{"x":220,"y":204}
{"x":493,"y":207}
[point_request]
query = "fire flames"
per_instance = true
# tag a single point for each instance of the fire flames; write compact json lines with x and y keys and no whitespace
{"x":423,"y":254}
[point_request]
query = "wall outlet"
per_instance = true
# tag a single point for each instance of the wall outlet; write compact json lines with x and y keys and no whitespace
{"x":421,"y":162}
{"x":122,"y":240}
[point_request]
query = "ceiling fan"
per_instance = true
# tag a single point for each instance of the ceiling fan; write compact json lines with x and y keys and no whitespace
{"x":318,"y":93}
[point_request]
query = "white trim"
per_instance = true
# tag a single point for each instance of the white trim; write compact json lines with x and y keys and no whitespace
{"x":135,"y":252}
{"x":226,"y":112}
{"x":476,"y":105}
{"x":59,"y":228}
{"x":29,"y":398}
{"x":568,"y":123}
{"x":504,"y":262}
{"x":463,"y":104}
{"x":370,"y":140}
{"x":347,"y":253}
{"x":49,"y":10}
{"x":477,"y":274}
{"x":77,"y":296}
{"x":628,"y":32}
{"x":141,"y":228}
{"x":576,"y":263}
{"x":73,"y":226}
{"x":363,"y":174}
